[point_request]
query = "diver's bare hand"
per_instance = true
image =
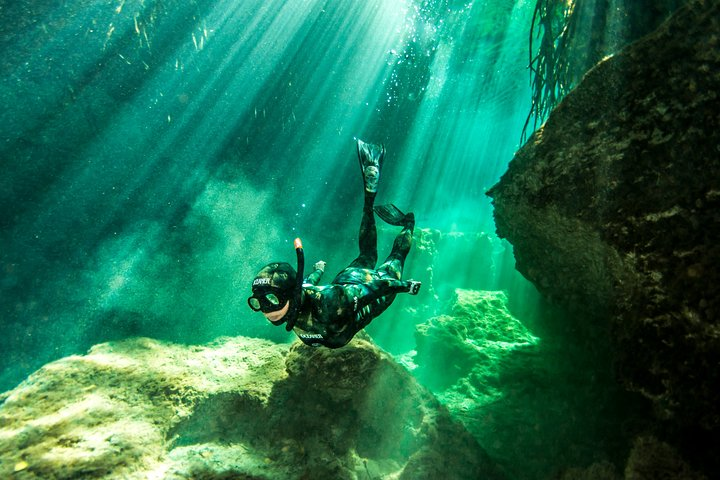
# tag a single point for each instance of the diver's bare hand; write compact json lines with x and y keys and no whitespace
{"x":320,"y":265}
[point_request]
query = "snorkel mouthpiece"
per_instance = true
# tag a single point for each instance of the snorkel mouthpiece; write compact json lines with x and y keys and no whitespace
{"x":298,"y":287}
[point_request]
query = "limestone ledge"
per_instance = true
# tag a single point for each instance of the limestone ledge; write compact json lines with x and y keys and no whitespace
{"x":235,"y":408}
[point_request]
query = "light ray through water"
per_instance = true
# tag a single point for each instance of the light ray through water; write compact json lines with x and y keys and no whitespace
{"x":255,"y":105}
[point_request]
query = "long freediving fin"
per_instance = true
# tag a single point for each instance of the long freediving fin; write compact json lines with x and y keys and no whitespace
{"x":371,"y":158}
{"x":391,"y":214}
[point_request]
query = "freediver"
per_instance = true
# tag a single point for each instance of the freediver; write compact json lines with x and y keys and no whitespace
{"x":331,"y":315}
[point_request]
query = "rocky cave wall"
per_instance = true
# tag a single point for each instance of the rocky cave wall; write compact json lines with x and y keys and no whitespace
{"x":613,"y":209}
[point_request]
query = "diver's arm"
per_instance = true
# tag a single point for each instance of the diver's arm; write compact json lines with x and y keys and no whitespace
{"x":314,"y":277}
{"x":388,"y":286}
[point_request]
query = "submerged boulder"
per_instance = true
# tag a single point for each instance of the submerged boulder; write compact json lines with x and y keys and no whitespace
{"x":236,"y":408}
{"x":538,"y":400}
{"x":461,"y":349}
{"x":613,"y":206}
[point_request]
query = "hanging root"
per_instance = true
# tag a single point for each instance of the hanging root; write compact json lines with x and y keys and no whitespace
{"x":553,"y":23}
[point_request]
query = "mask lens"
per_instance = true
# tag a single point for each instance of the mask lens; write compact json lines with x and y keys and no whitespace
{"x":267,"y":302}
{"x":254,"y":303}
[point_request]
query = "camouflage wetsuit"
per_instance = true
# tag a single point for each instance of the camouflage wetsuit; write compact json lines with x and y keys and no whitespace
{"x":331,"y":315}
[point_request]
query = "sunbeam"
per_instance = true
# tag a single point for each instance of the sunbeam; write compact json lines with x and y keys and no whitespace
{"x":167,"y":103}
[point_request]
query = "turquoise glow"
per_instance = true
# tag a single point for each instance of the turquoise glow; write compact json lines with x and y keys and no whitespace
{"x":163,"y":150}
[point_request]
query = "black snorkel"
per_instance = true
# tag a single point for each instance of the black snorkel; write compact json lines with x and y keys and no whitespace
{"x":293,"y":314}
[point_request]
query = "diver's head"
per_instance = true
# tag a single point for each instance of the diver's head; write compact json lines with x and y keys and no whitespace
{"x":273,"y":289}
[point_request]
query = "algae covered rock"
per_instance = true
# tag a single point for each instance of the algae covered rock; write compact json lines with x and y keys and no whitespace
{"x":651,"y":458}
{"x":612,"y":209}
{"x":537,"y":400}
{"x":468,"y":342}
{"x":111,"y":413}
{"x":385,"y":414}
{"x":235,"y":408}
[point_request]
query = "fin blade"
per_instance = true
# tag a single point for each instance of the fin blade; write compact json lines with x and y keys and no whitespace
{"x":371,"y":159}
{"x":391,"y":214}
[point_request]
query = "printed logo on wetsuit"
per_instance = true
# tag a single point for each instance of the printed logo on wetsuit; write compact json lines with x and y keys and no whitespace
{"x":261,"y":281}
{"x":309,"y":336}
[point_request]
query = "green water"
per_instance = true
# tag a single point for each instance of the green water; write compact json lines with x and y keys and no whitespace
{"x":157,"y":153}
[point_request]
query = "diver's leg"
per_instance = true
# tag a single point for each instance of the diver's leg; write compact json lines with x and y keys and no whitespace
{"x":368,"y":236}
{"x":371,"y":158}
{"x":394,"y":263}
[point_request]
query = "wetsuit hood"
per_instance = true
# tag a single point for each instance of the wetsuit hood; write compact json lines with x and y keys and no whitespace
{"x":280,"y":279}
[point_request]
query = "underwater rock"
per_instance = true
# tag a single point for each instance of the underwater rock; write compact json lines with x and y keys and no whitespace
{"x":613,"y":208}
{"x":525,"y":393}
{"x":478,"y":359}
{"x":466,"y":343}
{"x":651,"y":459}
{"x":596,"y":471}
{"x":235,"y":408}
